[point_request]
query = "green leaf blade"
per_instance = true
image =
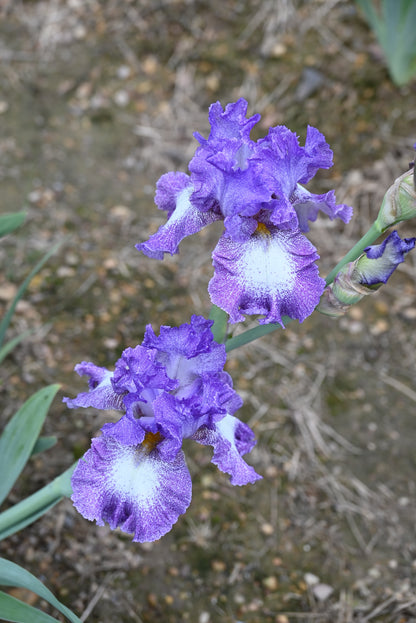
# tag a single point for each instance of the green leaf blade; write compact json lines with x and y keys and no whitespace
{"x":20,"y":435}
{"x":14,"y":575}
{"x":10,"y":222}
{"x":19,"y":525}
{"x":16,"y":611}
{"x":8,"y":316}
{"x":33,"y":507}
{"x":44,"y":443}
{"x":9,"y":346}
{"x":395,"y":28}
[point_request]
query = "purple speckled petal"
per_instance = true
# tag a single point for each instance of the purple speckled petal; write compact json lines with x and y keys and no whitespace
{"x":137,"y":371}
{"x":127,"y":430}
{"x":187,"y":340}
{"x":273,"y":273}
{"x":168,"y":188}
{"x":230,"y":439}
{"x":318,"y":152}
{"x":381,"y":260}
{"x":225,"y":178}
{"x":283,"y":163}
{"x":131,"y":488}
{"x":229,"y":123}
{"x":307,"y":206}
{"x":101,"y":394}
{"x":229,"y":183}
{"x":187,"y":351}
{"x":210,"y":398}
{"x":184,"y":219}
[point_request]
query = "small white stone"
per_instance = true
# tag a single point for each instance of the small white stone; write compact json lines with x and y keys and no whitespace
{"x":121,"y":98}
{"x":80,"y":32}
{"x":311,"y":579}
{"x":374,"y":573}
{"x":123,"y":72}
{"x":322,"y":591}
{"x":34,"y":196}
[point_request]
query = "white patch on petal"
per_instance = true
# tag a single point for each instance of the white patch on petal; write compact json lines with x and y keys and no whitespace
{"x":267,"y":265}
{"x":183,"y":206}
{"x":226,"y":428}
{"x":136,"y":476}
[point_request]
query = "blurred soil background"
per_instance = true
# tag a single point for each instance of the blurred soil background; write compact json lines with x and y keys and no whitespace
{"x":97,"y":100}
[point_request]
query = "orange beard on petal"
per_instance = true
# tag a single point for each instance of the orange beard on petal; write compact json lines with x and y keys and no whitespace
{"x":262,"y":230}
{"x":150,"y":442}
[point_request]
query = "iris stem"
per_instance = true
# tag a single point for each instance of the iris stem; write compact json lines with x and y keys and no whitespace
{"x":253,"y":334}
{"x":31,"y":508}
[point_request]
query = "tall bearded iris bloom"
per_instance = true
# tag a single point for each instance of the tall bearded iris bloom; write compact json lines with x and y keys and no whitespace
{"x":169,"y":388}
{"x":263,"y":262}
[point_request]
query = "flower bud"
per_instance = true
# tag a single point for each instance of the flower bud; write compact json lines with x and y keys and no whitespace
{"x":399,"y":203}
{"x":364,"y":276}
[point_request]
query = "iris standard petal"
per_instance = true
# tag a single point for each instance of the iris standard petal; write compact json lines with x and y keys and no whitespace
{"x":229,"y":123}
{"x":230,"y":439}
{"x":131,"y":488}
{"x":137,"y":371}
{"x":228,"y":182}
{"x":273,"y":273}
{"x":283,"y":163}
{"x":187,"y":351}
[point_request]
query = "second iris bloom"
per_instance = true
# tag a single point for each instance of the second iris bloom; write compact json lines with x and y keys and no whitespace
{"x":263,"y":262}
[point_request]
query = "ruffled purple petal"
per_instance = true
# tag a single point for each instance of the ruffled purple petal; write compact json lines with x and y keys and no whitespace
{"x":137,"y":371}
{"x":318,"y":152}
{"x":168,"y":188}
{"x":307,"y":206}
{"x":228,"y":183}
{"x":183,"y":219}
{"x":224,"y":176}
{"x":131,"y":488}
{"x":176,"y":421}
{"x":127,"y":431}
{"x":101,"y":394}
{"x":188,"y":340}
{"x":187,"y":351}
{"x":229,"y":123}
{"x":179,"y":417}
{"x":281,"y":213}
{"x":273,"y":273}
{"x":231,"y":439}
{"x":283,"y":163}
{"x":381,"y":260}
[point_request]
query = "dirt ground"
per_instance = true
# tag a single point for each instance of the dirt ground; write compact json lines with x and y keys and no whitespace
{"x":97,"y":100}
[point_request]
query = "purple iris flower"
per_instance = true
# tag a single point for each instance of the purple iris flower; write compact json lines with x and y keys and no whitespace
{"x":171,"y":387}
{"x":263,"y":262}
